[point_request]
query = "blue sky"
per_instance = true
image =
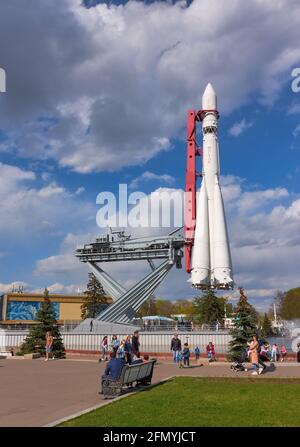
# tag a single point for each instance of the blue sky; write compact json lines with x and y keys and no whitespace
{"x":98,"y":96}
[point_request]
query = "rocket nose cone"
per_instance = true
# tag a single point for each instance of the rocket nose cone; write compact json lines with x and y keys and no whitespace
{"x":209,"y":98}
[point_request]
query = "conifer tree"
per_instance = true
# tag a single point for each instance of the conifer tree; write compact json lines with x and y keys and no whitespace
{"x":45,"y":322}
{"x":266,"y":329}
{"x":244,"y":327}
{"x":94,"y":298}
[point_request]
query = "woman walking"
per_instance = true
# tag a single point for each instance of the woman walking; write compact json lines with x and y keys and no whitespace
{"x":253,"y":353}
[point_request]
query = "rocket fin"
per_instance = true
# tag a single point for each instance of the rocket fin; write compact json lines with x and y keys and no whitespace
{"x":200,"y":274}
{"x":222,"y":270}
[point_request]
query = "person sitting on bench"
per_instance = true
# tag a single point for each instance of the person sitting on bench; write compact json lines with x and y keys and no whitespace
{"x":113,"y":370}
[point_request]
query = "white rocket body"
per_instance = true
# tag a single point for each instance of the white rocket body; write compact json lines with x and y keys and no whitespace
{"x":211,"y":260}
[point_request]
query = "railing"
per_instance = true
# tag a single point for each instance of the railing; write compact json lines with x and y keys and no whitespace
{"x":150,"y":341}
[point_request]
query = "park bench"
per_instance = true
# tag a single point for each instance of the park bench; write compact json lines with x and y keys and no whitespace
{"x":141,"y":373}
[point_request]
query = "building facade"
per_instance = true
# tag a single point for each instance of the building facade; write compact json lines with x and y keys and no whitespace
{"x":21,"y":308}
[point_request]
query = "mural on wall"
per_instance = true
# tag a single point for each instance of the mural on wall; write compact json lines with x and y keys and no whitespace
{"x":26,"y":310}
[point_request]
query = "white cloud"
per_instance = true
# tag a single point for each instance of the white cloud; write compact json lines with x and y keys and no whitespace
{"x":151,"y":176}
{"x":294,"y":109}
{"x":239,"y":127}
{"x":27,"y":211}
{"x":296,"y":131}
{"x":15,"y":285}
{"x":113,"y":83}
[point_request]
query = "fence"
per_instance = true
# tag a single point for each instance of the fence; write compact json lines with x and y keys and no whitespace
{"x":150,"y":342}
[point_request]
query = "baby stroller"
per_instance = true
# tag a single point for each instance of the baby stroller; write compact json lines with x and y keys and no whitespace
{"x":240,"y":364}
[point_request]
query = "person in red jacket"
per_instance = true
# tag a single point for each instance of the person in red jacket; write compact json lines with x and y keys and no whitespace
{"x":210,"y":351}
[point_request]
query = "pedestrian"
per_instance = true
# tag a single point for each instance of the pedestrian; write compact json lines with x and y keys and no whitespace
{"x":210,"y":351}
{"x":186,"y":355}
{"x":197,"y":352}
{"x":283,"y":353}
{"x":175,"y":348}
{"x":128,"y":350}
{"x":91,"y":326}
{"x":49,"y":345}
{"x":121,"y":350}
{"x":179,"y":359}
{"x":274,"y":353}
{"x":104,"y":348}
{"x":115,"y":343}
{"x":254,"y":348}
{"x":135,"y":342}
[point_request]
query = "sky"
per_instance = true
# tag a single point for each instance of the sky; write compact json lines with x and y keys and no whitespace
{"x":97,"y":95}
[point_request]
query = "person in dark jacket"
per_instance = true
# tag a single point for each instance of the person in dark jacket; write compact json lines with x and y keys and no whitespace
{"x":135,"y":343}
{"x":128,"y":349}
{"x":136,"y":359}
{"x":186,"y":355}
{"x":176,"y":348}
{"x":112,"y":371}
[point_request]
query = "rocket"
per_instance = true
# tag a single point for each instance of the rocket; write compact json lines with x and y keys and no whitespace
{"x":210,"y":258}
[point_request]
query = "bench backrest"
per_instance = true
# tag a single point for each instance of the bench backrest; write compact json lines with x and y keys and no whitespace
{"x":131,"y":373}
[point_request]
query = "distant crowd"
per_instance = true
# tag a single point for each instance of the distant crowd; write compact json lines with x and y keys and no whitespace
{"x":182,"y":354}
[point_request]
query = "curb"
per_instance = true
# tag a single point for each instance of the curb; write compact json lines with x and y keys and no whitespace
{"x":95,"y":407}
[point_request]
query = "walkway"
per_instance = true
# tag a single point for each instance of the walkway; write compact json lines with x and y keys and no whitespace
{"x":35,"y":392}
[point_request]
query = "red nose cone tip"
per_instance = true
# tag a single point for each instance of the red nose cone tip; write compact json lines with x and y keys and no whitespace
{"x":209,"y":98}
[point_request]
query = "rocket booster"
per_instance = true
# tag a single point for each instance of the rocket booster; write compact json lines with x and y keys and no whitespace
{"x":211,"y":259}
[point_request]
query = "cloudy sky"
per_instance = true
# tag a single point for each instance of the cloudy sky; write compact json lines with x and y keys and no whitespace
{"x":97,"y":95}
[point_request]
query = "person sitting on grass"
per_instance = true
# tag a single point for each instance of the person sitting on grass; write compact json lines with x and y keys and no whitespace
{"x":186,"y":355}
{"x":112,"y":371}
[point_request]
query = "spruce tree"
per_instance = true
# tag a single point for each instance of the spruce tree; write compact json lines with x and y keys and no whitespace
{"x":46,"y":322}
{"x":244,"y":327}
{"x":94,"y":298}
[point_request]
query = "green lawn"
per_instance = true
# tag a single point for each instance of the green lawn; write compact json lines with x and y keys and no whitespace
{"x":199,"y":402}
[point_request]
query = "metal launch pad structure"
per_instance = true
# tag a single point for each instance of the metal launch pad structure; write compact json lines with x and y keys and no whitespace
{"x":203,"y":241}
{"x":111,"y":248}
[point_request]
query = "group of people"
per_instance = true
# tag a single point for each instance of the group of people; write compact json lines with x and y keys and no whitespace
{"x":120,"y":353}
{"x":259,"y":352}
{"x":181,"y":354}
{"x":127,"y":349}
{"x":273,"y":353}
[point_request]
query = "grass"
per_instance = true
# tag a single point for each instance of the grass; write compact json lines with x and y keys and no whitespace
{"x":203,"y":402}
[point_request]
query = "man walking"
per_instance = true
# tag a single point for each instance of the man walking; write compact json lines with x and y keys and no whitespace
{"x":175,"y":348}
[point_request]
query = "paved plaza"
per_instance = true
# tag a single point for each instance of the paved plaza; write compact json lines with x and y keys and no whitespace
{"x":36,"y":393}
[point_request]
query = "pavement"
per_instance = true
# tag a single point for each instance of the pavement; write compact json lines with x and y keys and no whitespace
{"x":34,"y":393}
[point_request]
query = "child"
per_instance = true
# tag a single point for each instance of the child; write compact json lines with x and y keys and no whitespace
{"x":186,"y":355}
{"x":274,"y":353}
{"x":197,"y":352}
{"x":283,"y":353}
{"x":179,"y":359}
